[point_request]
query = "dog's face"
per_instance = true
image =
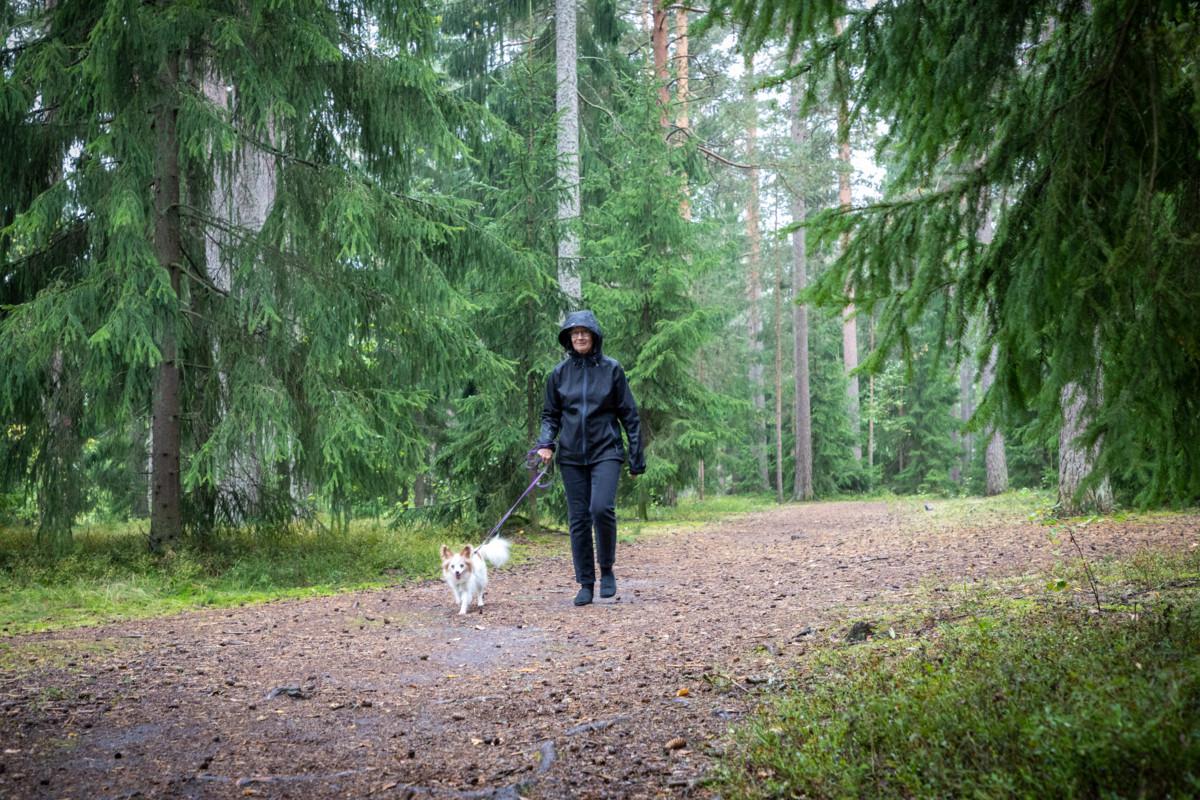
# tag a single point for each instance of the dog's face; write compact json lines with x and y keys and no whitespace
{"x":456,"y":565}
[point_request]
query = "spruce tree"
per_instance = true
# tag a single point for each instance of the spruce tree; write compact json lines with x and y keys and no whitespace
{"x":642,"y":259}
{"x":1085,"y":114}
{"x":341,"y":324}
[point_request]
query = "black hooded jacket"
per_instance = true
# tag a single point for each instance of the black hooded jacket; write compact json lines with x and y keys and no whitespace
{"x":587,"y":403}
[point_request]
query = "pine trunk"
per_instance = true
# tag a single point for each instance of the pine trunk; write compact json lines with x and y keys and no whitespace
{"x":700,"y":476}
{"x":682,"y":120}
{"x":849,"y":319}
{"x":662,"y":76}
{"x":871,"y":405}
{"x":779,"y":379}
{"x":567,"y":106}
{"x":682,"y":67}
{"x":754,"y":298}
{"x":166,"y":511}
{"x":1076,"y":460}
{"x":802,"y":415}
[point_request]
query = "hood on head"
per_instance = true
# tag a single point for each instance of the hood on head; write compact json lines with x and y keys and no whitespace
{"x":580,"y":319}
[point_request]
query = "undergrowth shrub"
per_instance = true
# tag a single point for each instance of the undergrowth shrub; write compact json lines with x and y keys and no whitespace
{"x":1058,"y":703}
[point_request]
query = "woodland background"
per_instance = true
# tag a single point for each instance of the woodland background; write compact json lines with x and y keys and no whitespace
{"x":266,"y":263}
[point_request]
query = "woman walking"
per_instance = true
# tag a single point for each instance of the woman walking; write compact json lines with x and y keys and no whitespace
{"x":587,"y":404}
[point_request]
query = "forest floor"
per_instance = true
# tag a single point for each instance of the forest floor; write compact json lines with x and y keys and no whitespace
{"x":390,"y":693}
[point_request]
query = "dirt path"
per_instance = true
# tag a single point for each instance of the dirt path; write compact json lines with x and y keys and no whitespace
{"x":391,"y":694}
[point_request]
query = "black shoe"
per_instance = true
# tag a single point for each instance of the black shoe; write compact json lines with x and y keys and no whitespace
{"x":585,"y":595}
{"x":608,"y":584}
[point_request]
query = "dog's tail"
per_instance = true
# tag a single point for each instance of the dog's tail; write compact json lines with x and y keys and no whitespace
{"x":495,"y":551}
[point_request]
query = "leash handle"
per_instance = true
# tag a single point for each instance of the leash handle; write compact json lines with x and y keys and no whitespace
{"x":533,"y":461}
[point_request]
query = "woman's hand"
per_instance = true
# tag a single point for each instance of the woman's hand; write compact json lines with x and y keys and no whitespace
{"x":545,"y":453}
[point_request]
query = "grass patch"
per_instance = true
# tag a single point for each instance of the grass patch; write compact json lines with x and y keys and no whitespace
{"x":53,"y":653}
{"x":954,"y":513}
{"x":688,"y":512}
{"x":1017,"y":699}
{"x":110,"y":575}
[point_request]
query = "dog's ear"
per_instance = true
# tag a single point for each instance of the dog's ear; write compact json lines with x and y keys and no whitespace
{"x":445,"y":552}
{"x":466,"y":551}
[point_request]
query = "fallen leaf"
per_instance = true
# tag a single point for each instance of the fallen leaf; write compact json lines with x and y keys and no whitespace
{"x":683,"y":692}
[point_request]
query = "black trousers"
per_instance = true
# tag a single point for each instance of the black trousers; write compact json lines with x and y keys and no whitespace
{"x":592,"y":505}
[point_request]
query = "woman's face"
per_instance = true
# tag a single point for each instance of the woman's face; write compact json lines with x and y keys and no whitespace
{"x":581,"y":340}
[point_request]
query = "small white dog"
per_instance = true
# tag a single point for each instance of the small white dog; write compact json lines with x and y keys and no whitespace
{"x":465,"y":572}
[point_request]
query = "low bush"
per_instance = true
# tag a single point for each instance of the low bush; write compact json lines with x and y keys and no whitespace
{"x":1044,"y":700}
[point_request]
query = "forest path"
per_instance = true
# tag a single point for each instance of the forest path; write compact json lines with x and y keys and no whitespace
{"x":395,"y":695}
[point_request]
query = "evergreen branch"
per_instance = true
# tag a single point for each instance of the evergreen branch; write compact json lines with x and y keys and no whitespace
{"x":611,"y":115}
{"x":706,"y":150}
{"x":71,"y":229}
{"x":198,"y":275}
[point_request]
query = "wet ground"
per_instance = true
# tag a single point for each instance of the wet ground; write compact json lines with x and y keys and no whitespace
{"x":391,"y":693}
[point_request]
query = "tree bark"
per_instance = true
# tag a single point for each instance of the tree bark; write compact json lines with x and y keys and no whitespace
{"x":59,"y":486}
{"x":995,"y":463}
{"x":166,"y":511}
{"x":962,"y":465}
{"x":802,"y":415}
{"x":753,"y":296}
{"x":1075,"y":460}
{"x":778,"y":377}
{"x":994,"y":460}
{"x":682,"y":67}
{"x":662,"y":76}
{"x":682,"y":70}
{"x":567,"y":106}
{"x":849,"y":319}
{"x":241,"y":197}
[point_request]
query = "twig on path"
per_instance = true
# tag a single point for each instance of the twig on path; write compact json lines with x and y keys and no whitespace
{"x":1087,"y":570}
{"x":598,"y":725}
{"x":242,"y":783}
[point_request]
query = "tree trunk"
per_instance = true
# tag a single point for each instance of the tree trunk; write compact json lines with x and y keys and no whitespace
{"x":166,"y":511}
{"x":567,"y":106}
{"x":995,"y":463}
{"x":966,"y":384}
{"x":683,"y":122}
{"x":682,"y":68}
{"x":803,"y":484}
{"x":778,"y":377}
{"x":700,"y":476}
{"x":871,"y":405}
{"x":849,"y":319}
{"x":1075,"y":460}
{"x":994,"y":460}
{"x":662,"y":76}
{"x":59,"y":487}
{"x":962,"y":465}
{"x":753,"y":296}
{"x":242,"y":197}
